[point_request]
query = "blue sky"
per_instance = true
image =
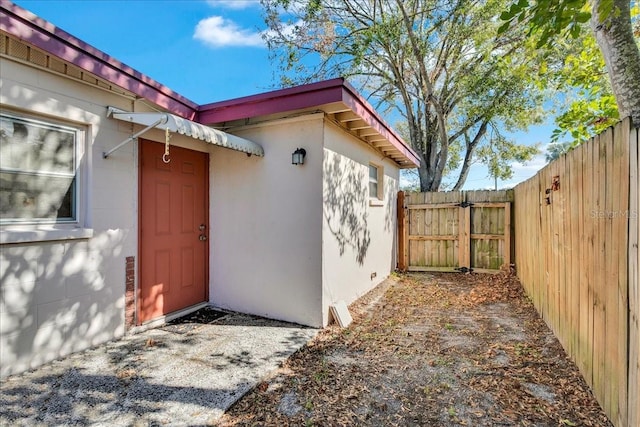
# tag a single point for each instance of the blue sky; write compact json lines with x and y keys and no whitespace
{"x":205,"y":50}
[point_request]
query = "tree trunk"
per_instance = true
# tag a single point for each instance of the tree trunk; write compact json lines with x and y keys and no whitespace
{"x":468,"y":155}
{"x":425,"y":179}
{"x":462,"y":178}
{"x":427,"y":183}
{"x":427,"y":175}
{"x":621,"y":55}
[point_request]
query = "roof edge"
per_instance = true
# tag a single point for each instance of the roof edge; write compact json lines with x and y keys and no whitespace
{"x":275,"y":94}
{"x":300,"y":97}
{"x":38,"y":32}
{"x":273,"y":102}
{"x":357,"y":103}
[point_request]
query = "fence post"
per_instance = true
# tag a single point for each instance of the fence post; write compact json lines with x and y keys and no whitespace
{"x":507,"y":235}
{"x":402,"y":234}
{"x":633,"y":369}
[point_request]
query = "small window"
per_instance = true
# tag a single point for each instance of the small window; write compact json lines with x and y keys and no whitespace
{"x":38,"y":171}
{"x":375,"y":182}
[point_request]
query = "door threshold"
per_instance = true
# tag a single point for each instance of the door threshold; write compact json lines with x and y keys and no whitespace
{"x":162,"y":320}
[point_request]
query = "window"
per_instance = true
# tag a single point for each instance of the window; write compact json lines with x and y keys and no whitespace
{"x":376,"y":182}
{"x":38,"y":171}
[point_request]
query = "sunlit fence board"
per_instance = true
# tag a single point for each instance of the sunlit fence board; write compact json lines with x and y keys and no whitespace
{"x":633,"y":405}
{"x":576,"y":233}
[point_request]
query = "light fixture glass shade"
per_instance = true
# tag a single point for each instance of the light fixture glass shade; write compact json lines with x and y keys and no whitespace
{"x":297,"y":158}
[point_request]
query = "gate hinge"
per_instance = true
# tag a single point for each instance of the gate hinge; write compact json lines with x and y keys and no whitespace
{"x":465,"y":204}
{"x":464,"y":269}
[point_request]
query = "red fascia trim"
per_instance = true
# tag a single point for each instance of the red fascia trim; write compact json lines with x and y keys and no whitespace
{"x":277,"y":101}
{"x":36,"y":31}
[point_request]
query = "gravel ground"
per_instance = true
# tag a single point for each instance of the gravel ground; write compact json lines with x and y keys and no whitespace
{"x":185,"y":374}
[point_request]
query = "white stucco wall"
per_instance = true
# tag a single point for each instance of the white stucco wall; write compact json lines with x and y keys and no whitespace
{"x":288,"y":241}
{"x":60,"y":296}
{"x":358,"y":238}
{"x":266,"y":224}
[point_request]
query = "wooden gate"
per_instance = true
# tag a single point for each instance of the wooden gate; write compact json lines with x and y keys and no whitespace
{"x":454,"y":231}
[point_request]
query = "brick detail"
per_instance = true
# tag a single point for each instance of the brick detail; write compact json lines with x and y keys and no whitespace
{"x":130,"y":292}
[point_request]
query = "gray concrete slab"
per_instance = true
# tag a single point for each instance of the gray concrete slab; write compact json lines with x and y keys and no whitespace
{"x":157,"y":377}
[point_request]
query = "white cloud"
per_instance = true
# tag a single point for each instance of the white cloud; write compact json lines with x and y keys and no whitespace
{"x":522,"y":172}
{"x":217,"y":31}
{"x":234,"y":4}
{"x":535,"y":164}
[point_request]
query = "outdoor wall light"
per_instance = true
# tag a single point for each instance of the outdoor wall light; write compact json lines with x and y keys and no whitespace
{"x":297,"y":158}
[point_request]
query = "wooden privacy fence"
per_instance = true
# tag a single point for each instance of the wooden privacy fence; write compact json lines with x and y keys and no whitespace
{"x":454,"y":231}
{"x":576,"y":253}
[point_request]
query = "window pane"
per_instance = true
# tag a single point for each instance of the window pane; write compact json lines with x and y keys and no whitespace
{"x":33,"y":147}
{"x":36,"y":197}
{"x":373,"y":173}
{"x":37,"y":171}
{"x":373,"y":189}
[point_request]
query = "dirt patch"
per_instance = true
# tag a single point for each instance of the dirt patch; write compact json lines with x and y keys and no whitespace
{"x":429,"y":349}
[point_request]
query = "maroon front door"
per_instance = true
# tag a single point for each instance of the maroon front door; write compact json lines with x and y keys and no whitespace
{"x":174,"y":228}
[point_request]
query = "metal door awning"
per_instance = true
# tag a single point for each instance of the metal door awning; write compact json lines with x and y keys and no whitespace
{"x":182,"y":126}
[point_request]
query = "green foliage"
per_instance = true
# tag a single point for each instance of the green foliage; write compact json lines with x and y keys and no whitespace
{"x":586,"y":117}
{"x":501,"y":152}
{"x":591,"y":106}
{"x":556,"y":149}
{"x":551,"y":18}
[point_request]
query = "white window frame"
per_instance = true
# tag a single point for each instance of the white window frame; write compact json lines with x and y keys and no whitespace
{"x":378,"y":199}
{"x":41,"y":229}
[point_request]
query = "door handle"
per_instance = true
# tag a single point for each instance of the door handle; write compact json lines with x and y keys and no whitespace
{"x":202,"y":237}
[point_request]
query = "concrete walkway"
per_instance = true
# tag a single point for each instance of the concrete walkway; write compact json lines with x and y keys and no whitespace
{"x":158,"y":377}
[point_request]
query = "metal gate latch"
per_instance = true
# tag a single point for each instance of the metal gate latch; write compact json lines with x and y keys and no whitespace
{"x":464,"y":204}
